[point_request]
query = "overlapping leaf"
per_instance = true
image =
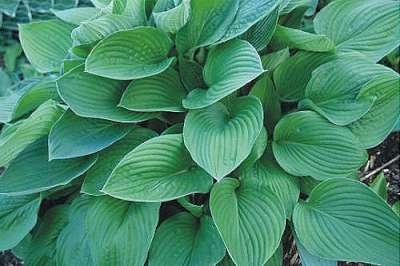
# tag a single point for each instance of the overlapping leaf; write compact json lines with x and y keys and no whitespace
{"x":18,"y":215}
{"x":228,"y":67}
{"x":305,"y":144}
{"x":367,"y":231}
{"x":46,"y":54}
{"x":369,"y":27}
{"x":31,"y":171}
{"x":186,"y":240}
{"x":131,"y":54}
{"x":220,"y":137}
{"x":152,"y":172}
{"x":76,"y":15}
{"x":250,"y":219}
{"x":173,"y":19}
{"x":110,"y":157}
{"x":98,"y":99}
{"x":163,"y":92}
{"x":120,"y":232}
{"x":74,"y":136}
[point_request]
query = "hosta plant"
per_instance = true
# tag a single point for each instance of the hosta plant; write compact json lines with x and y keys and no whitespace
{"x":197,"y":132}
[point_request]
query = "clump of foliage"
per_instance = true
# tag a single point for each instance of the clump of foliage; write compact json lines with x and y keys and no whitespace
{"x":194,"y":132}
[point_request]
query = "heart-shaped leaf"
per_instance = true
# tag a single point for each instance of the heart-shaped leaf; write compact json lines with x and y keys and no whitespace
{"x":99,"y":99}
{"x":152,"y":172}
{"x":186,"y":240}
{"x":220,"y":137}
{"x":18,"y":215}
{"x":31,"y":171}
{"x":377,"y":124}
{"x":368,"y":27}
{"x":334,"y":87}
{"x":120,"y":232}
{"x":305,"y":144}
{"x":74,"y":136}
{"x":131,"y":54}
{"x":250,"y":219}
{"x":228,"y":67}
{"x":108,"y":159}
{"x":163,"y":92}
{"x":345,"y":220}
{"x":46,"y":54}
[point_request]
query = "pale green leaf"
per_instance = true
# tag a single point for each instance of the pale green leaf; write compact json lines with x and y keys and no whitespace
{"x":228,"y":67}
{"x":272,"y":60}
{"x":110,"y":157}
{"x":9,"y":7}
{"x":277,"y":258}
{"x":186,"y":240}
{"x":250,"y":219}
{"x":45,"y":53}
{"x":345,"y":220}
{"x":295,"y":38}
{"x":152,"y":172}
{"x":18,"y":215}
{"x":76,"y":15}
{"x":334,"y":87}
{"x":173,"y":19}
{"x":379,"y":185}
{"x":366,"y":26}
{"x":305,"y":144}
{"x":99,"y":99}
{"x":29,"y":130}
{"x":377,"y":124}
{"x":162,"y":92}
{"x":248,"y":14}
{"x":131,"y":54}
{"x":207,"y":23}
{"x":220,"y":137}
{"x":74,"y":136}
{"x":120,"y":232}
{"x":31,"y":171}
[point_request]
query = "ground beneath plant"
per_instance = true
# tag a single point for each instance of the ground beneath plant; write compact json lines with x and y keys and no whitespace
{"x":378,"y":158}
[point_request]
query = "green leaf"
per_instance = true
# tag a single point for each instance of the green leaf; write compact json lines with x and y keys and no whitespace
{"x":76,"y":15}
{"x":99,"y":99}
{"x":272,"y":60}
{"x":120,"y":232}
{"x":94,"y":30}
{"x":46,"y":54}
{"x":367,"y":231}
{"x":291,"y":77}
{"x":191,"y":74}
{"x":379,"y":185}
{"x":173,"y":19}
{"x":152,"y":173}
{"x":18,"y":215}
{"x":284,"y":185}
{"x":260,"y":34}
{"x":72,"y":245}
{"x":396,"y":207}
{"x":186,"y":240}
{"x":10,"y":56}
{"x":208,"y":22}
{"x":377,"y":124}
{"x":136,"y":11}
{"x":42,"y":247}
{"x":277,"y":258}
{"x":131,"y":54}
{"x":248,"y":14}
{"x":108,"y":159}
{"x":305,"y":144}
{"x":294,"y":38}
{"x":308,"y":259}
{"x":195,"y":210}
{"x":220,"y":137}
{"x":250,"y":219}
{"x":74,"y":136}
{"x":162,"y":92}
{"x":29,"y":130}
{"x":334,"y":87}
{"x":369,"y":27}
{"x":228,"y":67}
{"x":31,"y":171}
{"x":35,"y":96}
